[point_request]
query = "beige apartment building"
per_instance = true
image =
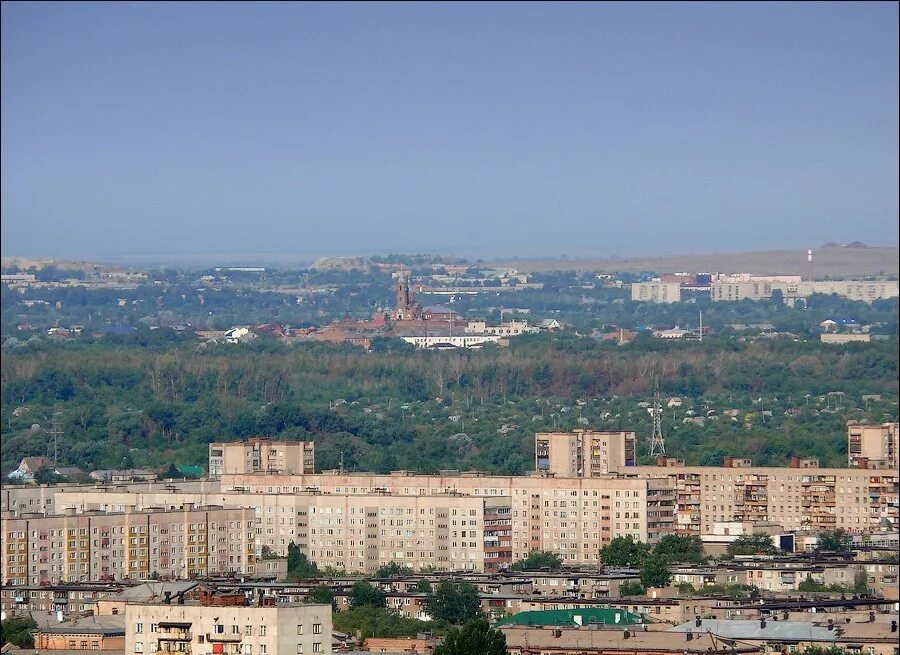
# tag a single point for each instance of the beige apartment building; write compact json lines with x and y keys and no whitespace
{"x":873,"y":446}
{"x":134,"y":544}
{"x":798,"y":498}
{"x":583,"y":453}
{"x":658,"y":292}
{"x":863,"y":290}
{"x":261,"y":455}
{"x":574,"y":517}
{"x":209,"y":627}
{"x":40,"y":498}
{"x":513,"y":514}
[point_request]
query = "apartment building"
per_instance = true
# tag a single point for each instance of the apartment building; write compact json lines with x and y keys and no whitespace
{"x":40,"y":499}
{"x":574,"y":517}
{"x":261,"y":455}
{"x":762,"y":289}
{"x":359,"y":533}
{"x":215,"y":625}
{"x":659,"y":292}
{"x":873,"y":446}
{"x":103,"y":633}
{"x":173,"y":543}
{"x":583,"y":453}
{"x":797,"y":498}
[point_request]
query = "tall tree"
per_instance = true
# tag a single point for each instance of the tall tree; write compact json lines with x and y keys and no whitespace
{"x":476,"y":638}
{"x":655,"y":572}
{"x":454,"y":602}
{"x":679,"y":548}
{"x":298,"y":564}
{"x":364,"y":594}
{"x":624,"y":551}
{"x":833,"y":540}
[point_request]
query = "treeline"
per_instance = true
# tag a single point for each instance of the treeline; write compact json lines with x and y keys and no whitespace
{"x":120,"y":405}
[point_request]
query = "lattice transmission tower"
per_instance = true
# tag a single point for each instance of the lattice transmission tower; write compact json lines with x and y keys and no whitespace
{"x":657,"y":441}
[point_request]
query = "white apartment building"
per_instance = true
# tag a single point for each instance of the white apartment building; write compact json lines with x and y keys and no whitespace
{"x":301,"y":629}
{"x":659,"y":292}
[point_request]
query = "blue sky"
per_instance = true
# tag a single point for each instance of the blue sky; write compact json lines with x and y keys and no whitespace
{"x":488,"y":129}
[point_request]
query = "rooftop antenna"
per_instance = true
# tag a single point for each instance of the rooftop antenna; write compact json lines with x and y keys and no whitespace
{"x":657,"y":442}
{"x":809,"y":266}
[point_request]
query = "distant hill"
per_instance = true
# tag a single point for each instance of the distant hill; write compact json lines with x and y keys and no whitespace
{"x":833,"y":260}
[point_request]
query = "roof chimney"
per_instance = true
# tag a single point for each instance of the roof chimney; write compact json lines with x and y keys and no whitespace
{"x":762,"y":624}
{"x":871,"y":617}
{"x":893,"y":626}
{"x":699,"y":622}
{"x":689,"y":636}
{"x":167,"y":598}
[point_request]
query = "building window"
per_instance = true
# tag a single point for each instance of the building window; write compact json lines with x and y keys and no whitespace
{"x":138,"y":628}
{"x":317,"y":628}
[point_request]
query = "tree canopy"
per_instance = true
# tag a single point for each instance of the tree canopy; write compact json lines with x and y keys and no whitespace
{"x":475,"y":638}
{"x":365,"y":594}
{"x":454,"y":602}
{"x":298,"y":565}
{"x":392,"y":570}
{"x":681,"y":549}
{"x":538,"y":559}
{"x":624,"y":551}
{"x":18,"y":631}
{"x":833,"y":540}
{"x":752,"y":544}
{"x":655,"y":571}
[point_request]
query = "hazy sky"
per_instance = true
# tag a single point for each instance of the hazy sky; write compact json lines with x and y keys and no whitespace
{"x":470,"y":128}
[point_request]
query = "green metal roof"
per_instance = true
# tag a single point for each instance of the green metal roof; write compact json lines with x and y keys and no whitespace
{"x":602,"y":615}
{"x":188,"y":469}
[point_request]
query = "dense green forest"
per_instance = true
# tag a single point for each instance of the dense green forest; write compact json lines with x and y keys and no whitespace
{"x":157,"y":397}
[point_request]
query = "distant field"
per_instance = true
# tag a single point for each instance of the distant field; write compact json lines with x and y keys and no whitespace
{"x":827,"y":261}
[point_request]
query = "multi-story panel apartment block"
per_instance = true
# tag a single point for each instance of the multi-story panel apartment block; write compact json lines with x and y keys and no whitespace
{"x":573,"y":516}
{"x":873,"y":446}
{"x":659,"y":292}
{"x":261,"y":455}
{"x":360,"y":533}
{"x":797,"y":498}
{"x":40,"y":498}
{"x":583,"y":453}
{"x":180,"y":543}
{"x":239,"y":629}
{"x":864,"y":290}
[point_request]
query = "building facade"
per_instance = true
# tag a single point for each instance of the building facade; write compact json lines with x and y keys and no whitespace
{"x":181,"y":543}
{"x":817,"y":499}
{"x":237,"y":629}
{"x":583,"y":453}
{"x":659,"y":292}
{"x":261,"y":455}
{"x":873,"y":446}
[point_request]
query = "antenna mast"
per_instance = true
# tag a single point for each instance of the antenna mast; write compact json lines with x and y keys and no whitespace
{"x":657,"y":442}
{"x":53,"y":444}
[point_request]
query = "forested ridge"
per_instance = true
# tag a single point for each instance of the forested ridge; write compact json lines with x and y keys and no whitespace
{"x":127,"y":404}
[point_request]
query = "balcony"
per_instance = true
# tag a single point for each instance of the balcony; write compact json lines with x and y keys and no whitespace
{"x":220,"y":637}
